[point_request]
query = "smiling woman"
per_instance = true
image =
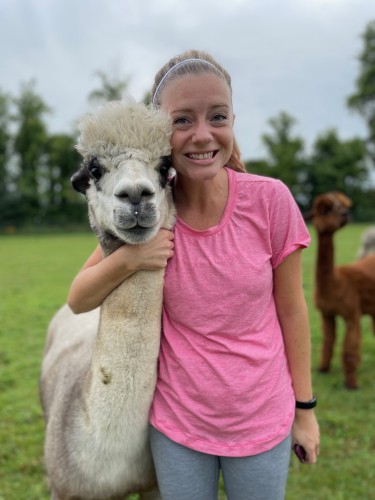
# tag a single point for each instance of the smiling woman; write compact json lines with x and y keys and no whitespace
{"x":231,"y":240}
{"x":202,"y":139}
{"x":200,"y":64}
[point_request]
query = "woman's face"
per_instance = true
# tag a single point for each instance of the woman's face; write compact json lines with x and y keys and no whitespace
{"x":202,"y":116}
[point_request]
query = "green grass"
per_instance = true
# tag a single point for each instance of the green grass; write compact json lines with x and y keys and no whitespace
{"x":35,"y":275}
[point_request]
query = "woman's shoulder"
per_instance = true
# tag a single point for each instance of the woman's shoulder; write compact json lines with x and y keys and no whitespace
{"x":255,"y":178}
{"x":262,"y":194}
{"x":261,"y":183}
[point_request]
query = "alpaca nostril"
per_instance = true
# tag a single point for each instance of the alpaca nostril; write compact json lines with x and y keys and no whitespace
{"x":134,"y":196}
{"x":147,"y":192}
{"x":122,"y":196}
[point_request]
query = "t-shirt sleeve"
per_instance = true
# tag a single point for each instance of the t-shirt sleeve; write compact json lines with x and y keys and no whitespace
{"x":288,"y":230}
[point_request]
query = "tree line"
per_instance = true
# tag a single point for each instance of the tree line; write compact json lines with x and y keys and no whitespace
{"x":333,"y":164}
{"x":35,"y":165}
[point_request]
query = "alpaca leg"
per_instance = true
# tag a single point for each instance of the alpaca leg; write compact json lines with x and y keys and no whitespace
{"x":351,"y":352}
{"x":329,"y":337}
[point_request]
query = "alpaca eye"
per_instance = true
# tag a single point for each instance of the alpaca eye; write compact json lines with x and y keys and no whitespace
{"x":95,"y":169}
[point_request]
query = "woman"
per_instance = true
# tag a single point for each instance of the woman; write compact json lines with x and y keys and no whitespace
{"x":234,"y":384}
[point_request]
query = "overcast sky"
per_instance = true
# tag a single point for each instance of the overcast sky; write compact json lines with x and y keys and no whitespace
{"x":299,"y":56}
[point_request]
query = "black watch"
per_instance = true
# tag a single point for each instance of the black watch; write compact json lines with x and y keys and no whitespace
{"x":307,"y":405}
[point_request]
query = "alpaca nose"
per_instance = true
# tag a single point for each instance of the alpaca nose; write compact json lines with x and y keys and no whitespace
{"x":133,"y":193}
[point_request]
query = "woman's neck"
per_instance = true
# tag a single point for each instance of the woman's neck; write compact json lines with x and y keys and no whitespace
{"x":201,"y":204}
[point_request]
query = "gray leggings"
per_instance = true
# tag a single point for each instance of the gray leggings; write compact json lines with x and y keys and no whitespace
{"x":185,"y":474}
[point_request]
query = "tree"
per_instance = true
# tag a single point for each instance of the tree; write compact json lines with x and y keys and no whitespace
{"x":363,"y":100}
{"x":337,"y":165}
{"x":285,"y":153}
{"x":112,"y":88}
{"x":4,"y":145}
{"x":30,"y":143}
{"x":62,"y":202}
{"x":333,"y":165}
{"x":147,"y":98}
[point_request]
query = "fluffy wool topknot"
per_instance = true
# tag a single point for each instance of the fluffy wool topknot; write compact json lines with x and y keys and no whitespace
{"x":123,"y":127}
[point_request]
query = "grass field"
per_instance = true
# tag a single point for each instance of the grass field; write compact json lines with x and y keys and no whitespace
{"x":35,"y":274}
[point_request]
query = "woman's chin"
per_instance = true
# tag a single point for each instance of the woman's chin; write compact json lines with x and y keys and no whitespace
{"x":200,"y":173}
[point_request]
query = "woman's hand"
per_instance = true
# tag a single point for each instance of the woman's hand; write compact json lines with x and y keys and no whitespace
{"x":99,"y":276}
{"x":152,"y":255}
{"x":305,"y":431}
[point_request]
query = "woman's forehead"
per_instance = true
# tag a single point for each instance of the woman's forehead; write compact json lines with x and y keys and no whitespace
{"x":202,"y":87}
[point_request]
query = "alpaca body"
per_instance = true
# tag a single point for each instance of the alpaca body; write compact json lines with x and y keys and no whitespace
{"x":347,"y":291}
{"x":99,"y":368}
{"x":343,"y":289}
{"x":367,"y":245}
{"x":108,"y":420}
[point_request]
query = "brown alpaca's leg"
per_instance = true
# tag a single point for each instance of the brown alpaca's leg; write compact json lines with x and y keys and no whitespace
{"x":351,"y":352}
{"x":329,"y":337}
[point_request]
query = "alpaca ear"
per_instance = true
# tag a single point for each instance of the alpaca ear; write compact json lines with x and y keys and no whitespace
{"x":347,"y":202}
{"x":80,"y":180}
{"x":165,"y":170}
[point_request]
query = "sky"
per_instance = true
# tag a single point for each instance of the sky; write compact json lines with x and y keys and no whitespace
{"x":298,"y":56}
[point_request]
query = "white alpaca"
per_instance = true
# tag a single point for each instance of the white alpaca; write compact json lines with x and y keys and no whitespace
{"x":99,"y":369}
{"x":367,"y":246}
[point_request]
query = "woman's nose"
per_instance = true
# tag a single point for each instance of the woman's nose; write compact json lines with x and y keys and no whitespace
{"x":202,"y":132}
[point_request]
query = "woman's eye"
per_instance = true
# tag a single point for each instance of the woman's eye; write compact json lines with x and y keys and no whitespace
{"x":219,"y":117}
{"x":180,"y":121}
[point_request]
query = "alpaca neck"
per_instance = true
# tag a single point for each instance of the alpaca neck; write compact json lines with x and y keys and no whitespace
{"x":127,"y":346}
{"x":122,"y":376}
{"x":325,"y":261}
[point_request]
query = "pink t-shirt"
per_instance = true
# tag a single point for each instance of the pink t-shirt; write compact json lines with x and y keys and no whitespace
{"x":224,"y":385}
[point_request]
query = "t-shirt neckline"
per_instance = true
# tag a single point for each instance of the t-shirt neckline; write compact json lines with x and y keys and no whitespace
{"x":232,"y":192}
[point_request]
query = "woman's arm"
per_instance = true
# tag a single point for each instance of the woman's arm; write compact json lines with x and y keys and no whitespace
{"x":292,"y":312}
{"x":99,"y":276}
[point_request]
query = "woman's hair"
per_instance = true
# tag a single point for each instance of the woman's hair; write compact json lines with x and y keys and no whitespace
{"x":195,"y":62}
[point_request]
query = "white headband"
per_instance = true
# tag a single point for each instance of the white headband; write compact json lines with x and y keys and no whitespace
{"x":176,"y":66}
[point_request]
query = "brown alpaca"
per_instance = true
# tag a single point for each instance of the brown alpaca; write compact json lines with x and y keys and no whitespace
{"x":347,"y":291}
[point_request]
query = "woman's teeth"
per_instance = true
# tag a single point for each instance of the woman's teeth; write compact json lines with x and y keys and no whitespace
{"x":201,"y":156}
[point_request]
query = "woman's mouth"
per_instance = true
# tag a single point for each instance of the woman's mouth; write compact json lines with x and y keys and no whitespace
{"x":201,"y":156}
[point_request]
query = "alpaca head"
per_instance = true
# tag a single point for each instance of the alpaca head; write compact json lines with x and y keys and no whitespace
{"x":126,"y":162}
{"x":330,"y":212}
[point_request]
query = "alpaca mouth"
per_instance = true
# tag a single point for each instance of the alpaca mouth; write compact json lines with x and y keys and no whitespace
{"x":132,"y":223}
{"x":133,"y":229}
{"x":136,"y":234}
{"x":344,"y":222}
{"x":345,"y":219}
{"x":141,"y":218}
